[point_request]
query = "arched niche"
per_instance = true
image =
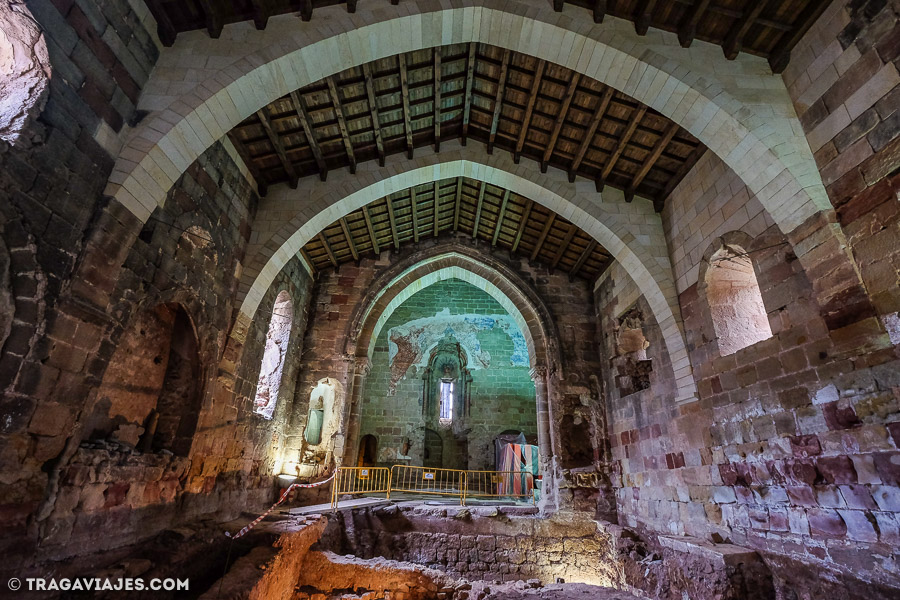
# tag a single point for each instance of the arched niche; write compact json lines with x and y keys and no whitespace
{"x":731,"y":287}
{"x":151,"y":392}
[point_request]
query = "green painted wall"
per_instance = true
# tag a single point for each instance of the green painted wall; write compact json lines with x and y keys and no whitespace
{"x":501,"y":395}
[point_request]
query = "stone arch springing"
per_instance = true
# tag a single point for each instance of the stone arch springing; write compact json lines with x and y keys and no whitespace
{"x":277,"y":340}
{"x":730,"y":285}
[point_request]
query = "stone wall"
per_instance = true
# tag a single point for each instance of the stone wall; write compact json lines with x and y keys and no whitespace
{"x":791,"y":448}
{"x":844,"y":82}
{"x":501,"y":393}
{"x":51,"y":178}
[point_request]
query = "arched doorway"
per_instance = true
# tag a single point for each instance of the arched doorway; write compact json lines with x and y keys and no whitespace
{"x":368,"y":451}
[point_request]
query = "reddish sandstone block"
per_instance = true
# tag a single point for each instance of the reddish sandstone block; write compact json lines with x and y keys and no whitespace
{"x":837,"y":469}
{"x":826,"y":522}
{"x":887,"y":464}
{"x":801,"y":495}
{"x":860,"y":525}
{"x":858,"y":496}
{"x":805,"y":446}
{"x":840,"y":416}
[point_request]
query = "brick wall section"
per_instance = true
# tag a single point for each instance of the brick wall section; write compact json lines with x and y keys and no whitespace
{"x":502,"y":396}
{"x":845,"y":85}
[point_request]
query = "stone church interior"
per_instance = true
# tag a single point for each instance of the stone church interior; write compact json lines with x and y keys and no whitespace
{"x":450,"y":300}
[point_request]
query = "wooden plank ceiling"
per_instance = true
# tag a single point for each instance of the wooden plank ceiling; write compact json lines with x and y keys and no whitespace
{"x":503,"y":99}
{"x":466,"y":207}
{"x":767,"y":28}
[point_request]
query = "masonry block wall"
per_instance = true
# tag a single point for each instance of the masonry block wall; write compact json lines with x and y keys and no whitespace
{"x":790,"y":448}
{"x":51,"y":178}
{"x":845,"y":85}
{"x":501,"y":395}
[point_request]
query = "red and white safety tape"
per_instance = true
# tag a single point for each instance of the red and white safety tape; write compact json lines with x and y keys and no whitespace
{"x":274,"y":506}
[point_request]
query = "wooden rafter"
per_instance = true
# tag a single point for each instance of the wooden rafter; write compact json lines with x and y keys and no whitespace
{"x":529,"y":109}
{"x":543,"y":238}
{"x":599,"y":11}
{"x":589,"y":249}
{"x":644,"y":17}
{"x":437,"y":99}
{"x":498,"y":101}
{"x":214,"y":21}
{"x":342,"y":123}
{"x":500,"y":217}
{"x":564,"y":245}
{"x":346,"y":229}
{"x":404,"y":84}
{"x":260,"y":13}
{"x":261,"y":185}
{"x":688,"y":28}
{"x":478,"y":210}
{"x":779,"y":59}
{"x":437,"y":201}
{"x":413,"y":202}
{"x":306,"y":124}
{"x":528,"y":206}
{"x":560,"y":119}
{"x":165,"y":28}
{"x":275,"y":140}
{"x":309,"y":262}
{"x":636,"y":116}
{"x":370,"y":229}
{"x":735,"y":39}
{"x":470,"y":77}
{"x":390,"y":210}
{"x":457,"y":203}
{"x":327,"y":248}
{"x":654,"y":155}
{"x":306,"y":8}
{"x":596,"y":119}
{"x":373,"y":109}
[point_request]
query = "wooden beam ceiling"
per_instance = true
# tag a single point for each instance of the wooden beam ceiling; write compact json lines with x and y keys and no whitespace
{"x":767,"y":28}
{"x":506,"y":100}
{"x":498,"y":217}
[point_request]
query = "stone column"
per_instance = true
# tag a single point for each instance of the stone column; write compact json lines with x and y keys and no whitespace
{"x":546,"y":443}
{"x":361,"y":369}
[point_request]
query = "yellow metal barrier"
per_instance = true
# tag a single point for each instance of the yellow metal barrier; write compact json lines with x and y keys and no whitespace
{"x":356,"y":481}
{"x":427,"y":480}
{"x":499,"y":484}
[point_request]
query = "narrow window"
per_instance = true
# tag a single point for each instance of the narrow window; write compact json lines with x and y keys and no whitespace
{"x":735,"y":302}
{"x":273,"y":357}
{"x":446,"y":400}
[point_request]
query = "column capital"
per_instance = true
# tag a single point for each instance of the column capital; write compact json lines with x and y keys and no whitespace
{"x":363,"y":366}
{"x":538,"y":372}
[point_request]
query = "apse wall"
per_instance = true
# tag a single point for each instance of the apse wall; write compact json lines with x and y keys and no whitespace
{"x":501,"y":392}
{"x":581,"y":452}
